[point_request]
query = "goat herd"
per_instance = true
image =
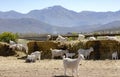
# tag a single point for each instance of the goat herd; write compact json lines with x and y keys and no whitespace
{"x":81,"y":37}
{"x":68,"y":62}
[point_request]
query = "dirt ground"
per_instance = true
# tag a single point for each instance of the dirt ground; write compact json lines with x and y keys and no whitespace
{"x":13,"y":67}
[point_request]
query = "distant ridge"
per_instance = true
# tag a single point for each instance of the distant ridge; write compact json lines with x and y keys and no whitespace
{"x":24,"y":25}
{"x":57,"y":19}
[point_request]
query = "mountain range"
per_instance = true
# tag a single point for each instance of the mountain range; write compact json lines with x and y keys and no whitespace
{"x":58,"y":19}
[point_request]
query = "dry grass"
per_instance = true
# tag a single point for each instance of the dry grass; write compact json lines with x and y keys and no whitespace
{"x":13,"y":67}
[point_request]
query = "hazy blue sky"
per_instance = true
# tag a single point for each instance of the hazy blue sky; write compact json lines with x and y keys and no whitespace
{"x":25,"y":6}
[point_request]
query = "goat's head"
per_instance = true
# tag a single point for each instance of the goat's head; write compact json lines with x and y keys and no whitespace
{"x":91,"y":49}
{"x":66,"y":51}
{"x":80,"y":56}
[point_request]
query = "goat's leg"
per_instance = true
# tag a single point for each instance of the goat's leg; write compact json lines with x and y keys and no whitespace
{"x":88,"y":57}
{"x":117,"y":57}
{"x":112,"y":58}
{"x":77,"y":72}
{"x":52,"y":56}
{"x":72,"y":71}
{"x":65,"y":71}
{"x":39,"y":58}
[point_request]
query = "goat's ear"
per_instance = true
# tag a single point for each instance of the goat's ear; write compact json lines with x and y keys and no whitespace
{"x":81,"y":56}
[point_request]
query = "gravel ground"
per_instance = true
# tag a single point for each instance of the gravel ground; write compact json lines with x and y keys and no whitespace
{"x":13,"y":67}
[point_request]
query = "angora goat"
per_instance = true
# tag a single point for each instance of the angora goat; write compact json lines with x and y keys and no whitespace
{"x":72,"y":64}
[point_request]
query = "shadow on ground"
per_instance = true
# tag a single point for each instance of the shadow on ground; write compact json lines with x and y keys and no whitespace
{"x":62,"y":76}
{"x":23,"y":57}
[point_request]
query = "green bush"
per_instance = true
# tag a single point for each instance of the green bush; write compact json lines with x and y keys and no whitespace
{"x":7,"y":36}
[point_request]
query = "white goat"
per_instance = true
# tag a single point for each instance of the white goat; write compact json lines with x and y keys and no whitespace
{"x":69,"y":55}
{"x":49,"y":37}
{"x":91,"y":38}
{"x":111,"y":38}
{"x":11,"y":42}
{"x":58,"y":52}
{"x":37,"y":55}
{"x":86,"y":52}
{"x":72,"y":64}
{"x":115,"y":55}
{"x":31,"y":58}
{"x":13,"y":46}
{"x":18,"y":47}
{"x":61,"y":39}
{"x":80,"y":37}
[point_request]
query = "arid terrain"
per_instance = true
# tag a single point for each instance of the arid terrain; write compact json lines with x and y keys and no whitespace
{"x":13,"y":67}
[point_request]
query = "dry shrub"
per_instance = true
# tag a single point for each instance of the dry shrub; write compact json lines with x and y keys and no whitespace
{"x":46,"y":45}
{"x":5,"y":50}
{"x":103,"y":48}
{"x":74,"y":46}
{"x":42,"y":46}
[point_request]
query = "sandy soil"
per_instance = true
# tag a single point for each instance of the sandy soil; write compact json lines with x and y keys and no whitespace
{"x":13,"y":67}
